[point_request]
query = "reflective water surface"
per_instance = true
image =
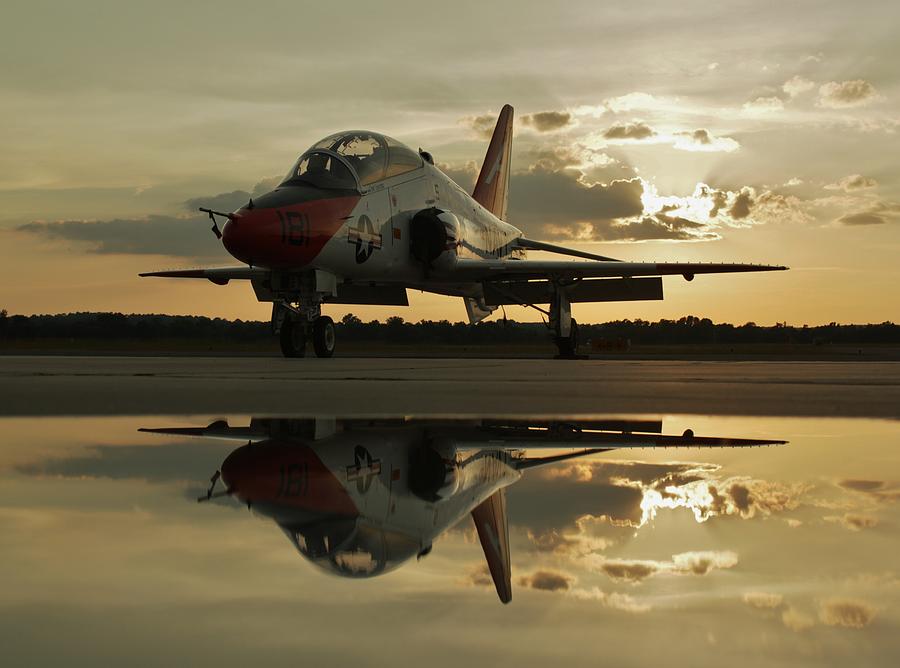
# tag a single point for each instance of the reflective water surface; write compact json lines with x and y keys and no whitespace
{"x":615,"y":539}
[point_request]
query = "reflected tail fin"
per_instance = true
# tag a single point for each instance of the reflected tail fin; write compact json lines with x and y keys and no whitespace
{"x":492,"y":188}
{"x":493,"y":532}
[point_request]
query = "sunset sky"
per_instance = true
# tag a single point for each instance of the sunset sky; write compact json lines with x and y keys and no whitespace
{"x":690,"y":131}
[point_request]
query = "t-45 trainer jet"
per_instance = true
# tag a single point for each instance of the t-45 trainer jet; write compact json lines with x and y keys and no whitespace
{"x":360,"y":218}
{"x":358,"y":497}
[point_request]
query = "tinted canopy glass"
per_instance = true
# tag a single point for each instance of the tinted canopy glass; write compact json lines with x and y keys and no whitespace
{"x":373,"y":156}
{"x":319,"y":169}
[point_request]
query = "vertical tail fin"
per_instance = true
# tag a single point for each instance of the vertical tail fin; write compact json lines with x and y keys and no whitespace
{"x":493,"y":532}
{"x":492,"y":188}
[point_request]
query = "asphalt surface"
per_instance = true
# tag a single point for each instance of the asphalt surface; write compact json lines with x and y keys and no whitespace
{"x":50,"y":385}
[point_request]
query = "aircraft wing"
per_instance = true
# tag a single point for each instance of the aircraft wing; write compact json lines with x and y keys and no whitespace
{"x":218,"y":275}
{"x":503,"y":270}
{"x":534,"y":439}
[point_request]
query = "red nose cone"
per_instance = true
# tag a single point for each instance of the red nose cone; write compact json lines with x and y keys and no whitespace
{"x":236,"y":239}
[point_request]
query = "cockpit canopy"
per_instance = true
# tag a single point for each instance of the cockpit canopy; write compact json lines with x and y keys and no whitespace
{"x":351,"y":547}
{"x":348,"y":160}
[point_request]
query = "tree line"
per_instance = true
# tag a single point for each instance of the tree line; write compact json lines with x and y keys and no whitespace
{"x":686,"y":330}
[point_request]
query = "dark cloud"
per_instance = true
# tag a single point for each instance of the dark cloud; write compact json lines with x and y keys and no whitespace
{"x":548,"y":121}
{"x":849,"y":613}
{"x":740,"y":494}
{"x":877,"y":490}
{"x":844,"y":94}
{"x":478,"y":576}
{"x":685,"y":563}
{"x":223,"y":202}
{"x":542,"y":197}
{"x":859,"y":485}
{"x":742,"y":204}
{"x":183,"y":461}
{"x":550,"y":540}
{"x":862,"y":218}
{"x":878,"y":213}
{"x":187,"y":237}
{"x":660,"y":226}
{"x":175,"y":236}
{"x":637,"y":131}
{"x":547,"y":580}
{"x":701,"y":136}
{"x":629,"y":571}
{"x":548,"y":523}
{"x":701,"y":563}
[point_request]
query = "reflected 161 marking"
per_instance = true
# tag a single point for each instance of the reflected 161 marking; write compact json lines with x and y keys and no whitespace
{"x":293,"y":480}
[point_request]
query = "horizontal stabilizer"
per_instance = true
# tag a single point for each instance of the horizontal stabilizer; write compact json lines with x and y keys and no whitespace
{"x":531,"y":244}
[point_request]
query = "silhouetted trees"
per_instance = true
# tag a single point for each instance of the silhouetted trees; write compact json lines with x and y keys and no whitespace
{"x":687,"y":330}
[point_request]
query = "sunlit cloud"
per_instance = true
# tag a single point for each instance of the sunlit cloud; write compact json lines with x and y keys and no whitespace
{"x":612,"y":600}
{"x":763,"y":600}
{"x":797,"y":85}
{"x":853,"y":522}
{"x":762,"y":106}
{"x":797,"y":620}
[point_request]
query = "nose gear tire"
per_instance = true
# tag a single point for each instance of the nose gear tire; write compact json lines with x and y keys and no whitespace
{"x":292,"y":338}
{"x":324,"y":336}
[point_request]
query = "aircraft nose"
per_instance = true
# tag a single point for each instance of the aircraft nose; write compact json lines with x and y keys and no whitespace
{"x":236,"y":239}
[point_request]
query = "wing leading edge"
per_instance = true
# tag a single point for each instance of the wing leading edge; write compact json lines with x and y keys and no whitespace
{"x":218,"y":275}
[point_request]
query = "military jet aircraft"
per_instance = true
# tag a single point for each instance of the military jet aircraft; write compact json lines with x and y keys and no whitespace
{"x":360,"y":218}
{"x":359,"y":497}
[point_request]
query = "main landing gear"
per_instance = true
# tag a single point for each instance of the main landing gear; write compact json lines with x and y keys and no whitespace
{"x":295,"y":331}
{"x":563,"y":325}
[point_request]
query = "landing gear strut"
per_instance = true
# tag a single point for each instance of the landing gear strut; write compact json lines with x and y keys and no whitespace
{"x":563,"y":325}
{"x":568,"y":345}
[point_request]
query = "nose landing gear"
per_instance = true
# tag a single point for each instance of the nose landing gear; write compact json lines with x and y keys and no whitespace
{"x":295,"y":329}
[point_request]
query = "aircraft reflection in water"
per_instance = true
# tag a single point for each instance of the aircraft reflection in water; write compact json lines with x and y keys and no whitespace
{"x":359,"y":497}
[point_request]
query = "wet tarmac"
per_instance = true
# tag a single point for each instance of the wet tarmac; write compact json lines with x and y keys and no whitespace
{"x":44,"y":385}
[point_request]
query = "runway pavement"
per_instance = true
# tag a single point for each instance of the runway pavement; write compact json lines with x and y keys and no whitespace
{"x":44,"y":385}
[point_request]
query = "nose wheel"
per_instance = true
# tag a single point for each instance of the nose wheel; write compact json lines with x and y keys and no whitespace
{"x":294,"y":335}
{"x":323,"y":336}
{"x":292,"y":338}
